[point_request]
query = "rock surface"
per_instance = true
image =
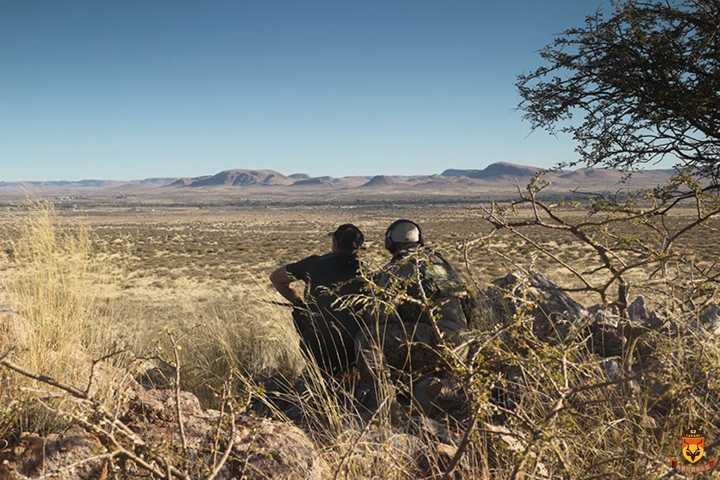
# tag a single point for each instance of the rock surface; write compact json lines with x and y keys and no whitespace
{"x":553,"y":311}
{"x":259,"y":446}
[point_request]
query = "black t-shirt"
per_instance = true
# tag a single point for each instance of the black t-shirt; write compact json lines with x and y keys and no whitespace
{"x":330,"y":335}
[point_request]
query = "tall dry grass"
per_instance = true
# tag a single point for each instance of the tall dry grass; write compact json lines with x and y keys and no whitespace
{"x":569,"y":418}
{"x":238,"y":336}
{"x":60,"y":319}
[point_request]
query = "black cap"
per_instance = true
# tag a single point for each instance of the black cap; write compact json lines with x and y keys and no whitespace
{"x":349,"y":238}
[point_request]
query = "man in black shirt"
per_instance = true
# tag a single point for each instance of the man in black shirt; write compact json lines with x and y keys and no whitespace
{"x":327,"y":329}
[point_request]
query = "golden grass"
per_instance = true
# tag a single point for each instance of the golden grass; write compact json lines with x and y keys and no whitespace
{"x":58,"y":288}
{"x":200,"y":282}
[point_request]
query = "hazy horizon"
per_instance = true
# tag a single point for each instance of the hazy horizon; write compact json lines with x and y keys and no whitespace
{"x":294,"y":174}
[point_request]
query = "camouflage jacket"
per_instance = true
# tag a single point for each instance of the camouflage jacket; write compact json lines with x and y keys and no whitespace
{"x":422,"y":286}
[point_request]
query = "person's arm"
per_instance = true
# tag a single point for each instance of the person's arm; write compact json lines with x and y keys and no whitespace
{"x":282,"y":281}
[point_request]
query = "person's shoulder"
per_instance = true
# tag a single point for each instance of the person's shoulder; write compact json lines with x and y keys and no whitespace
{"x":437,"y":256}
{"x":335,"y":259}
{"x":446,"y":268}
{"x":302,"y":264}
{"x":421,"y":255}
{"x":310,"y":258}
{"x":404,"y":264}
{"x":406,"y":254}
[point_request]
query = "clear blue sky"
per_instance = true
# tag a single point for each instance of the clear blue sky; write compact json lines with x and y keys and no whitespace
{"x":131,"y":89}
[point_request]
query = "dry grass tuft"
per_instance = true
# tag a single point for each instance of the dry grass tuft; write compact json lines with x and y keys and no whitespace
{"x":200,"y":290}
{"x":52,"y":279}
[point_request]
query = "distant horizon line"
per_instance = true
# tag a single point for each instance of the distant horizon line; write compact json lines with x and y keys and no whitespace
{"x":307,"y":176}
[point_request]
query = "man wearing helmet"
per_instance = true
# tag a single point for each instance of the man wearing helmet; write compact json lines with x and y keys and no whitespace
{"x":430,"y":305}
{"x":426,"y":275}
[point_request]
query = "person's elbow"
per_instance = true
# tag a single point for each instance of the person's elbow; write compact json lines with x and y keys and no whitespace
{"x":280,"y":277}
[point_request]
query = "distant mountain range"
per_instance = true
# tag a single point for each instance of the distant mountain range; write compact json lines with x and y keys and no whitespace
{"x":496,"y":175}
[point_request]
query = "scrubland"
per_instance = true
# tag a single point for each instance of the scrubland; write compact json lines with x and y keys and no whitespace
{"x":135,"y":286}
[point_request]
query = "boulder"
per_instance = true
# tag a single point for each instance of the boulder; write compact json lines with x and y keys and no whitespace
{"x":605,"y":340}
{"x":639,"y":313}
{"x":553,"y":311}
{"x":261,"y":448}
{"x":605,"y":314}
{"x":75,"y":454}
{"x":611,"y":368}
{"x":710,"y":319}
{"x":605,"y":336}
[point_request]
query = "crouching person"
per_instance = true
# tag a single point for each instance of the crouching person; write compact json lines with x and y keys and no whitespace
{"x":327,"y":328}
{"x":420,"y":319}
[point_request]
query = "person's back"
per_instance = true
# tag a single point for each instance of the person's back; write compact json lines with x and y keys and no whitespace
{"x":431,"y":306}
{"x":430,"y":284}
{"x":327,"y":328}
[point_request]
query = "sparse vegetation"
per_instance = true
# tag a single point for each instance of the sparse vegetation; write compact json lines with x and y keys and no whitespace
{"x":150,"y":286}
{"x":61,"y":317}
{"x":105,"y":295}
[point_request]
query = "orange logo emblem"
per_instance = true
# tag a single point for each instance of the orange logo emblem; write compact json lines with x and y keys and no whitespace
{"x":693,"y":449}
{"x":693,"y":445}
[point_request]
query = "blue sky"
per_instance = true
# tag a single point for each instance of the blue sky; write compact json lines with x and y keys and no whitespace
{"x":132,"y":89}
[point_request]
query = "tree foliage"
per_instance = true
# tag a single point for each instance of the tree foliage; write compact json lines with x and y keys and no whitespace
{"x":645,"y":81}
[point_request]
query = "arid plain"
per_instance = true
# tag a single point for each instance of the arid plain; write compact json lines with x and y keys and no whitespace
{"x":175,"y":245}
{"x":160,"y":273}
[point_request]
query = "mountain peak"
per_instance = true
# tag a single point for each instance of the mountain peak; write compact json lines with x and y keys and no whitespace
{"x":381,"y":180}
{"x":244,"y":177}
{"x":494,"y":171}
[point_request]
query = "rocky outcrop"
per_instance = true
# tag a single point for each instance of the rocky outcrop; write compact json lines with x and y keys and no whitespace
{"x":143,"y":428}
{"x":553,"y":311}
{"x":555,"y":315}
{"x":604,"y":331}
{"x":710,"y":319}
{"x":75,"y":454}
{"x":259,"y":448}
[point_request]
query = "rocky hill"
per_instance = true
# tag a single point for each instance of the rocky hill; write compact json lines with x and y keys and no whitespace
{"x":494,"y":178}
{"x":496,"y":175}
{"x":500,"y":170}
{"x":382,"y":181}
{"x":243,"y":178}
